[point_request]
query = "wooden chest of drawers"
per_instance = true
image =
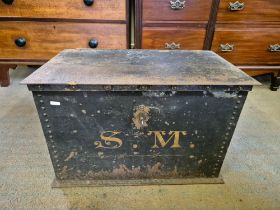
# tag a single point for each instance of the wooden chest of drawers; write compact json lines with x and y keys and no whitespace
{"x":32,"y":32}
{"x":246,"y":33}
{"x":175,"y":24}
{"x":247,"y":45}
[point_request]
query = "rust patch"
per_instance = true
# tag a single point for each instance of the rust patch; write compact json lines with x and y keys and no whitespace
{"x":122,"y":172}
{"x":71,"y":156}
{"x":64,"y":170}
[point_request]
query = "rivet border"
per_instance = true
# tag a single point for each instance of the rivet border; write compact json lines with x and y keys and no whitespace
{"x":48,"y":132}
{"x":229,"y":133}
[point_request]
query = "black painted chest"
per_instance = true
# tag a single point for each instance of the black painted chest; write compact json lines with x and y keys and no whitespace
{"x":136,"y":116}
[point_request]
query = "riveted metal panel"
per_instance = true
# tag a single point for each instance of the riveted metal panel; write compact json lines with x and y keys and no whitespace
{"x":94,"y":135}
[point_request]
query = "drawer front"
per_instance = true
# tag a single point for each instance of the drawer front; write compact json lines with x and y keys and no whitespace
{"x":45,"y":39}
{"x":193,"y":10}
{"x":73,"y":9}
{"x":250,"y":46}
{"x":173,"y":38}
{"x":249,"y":10}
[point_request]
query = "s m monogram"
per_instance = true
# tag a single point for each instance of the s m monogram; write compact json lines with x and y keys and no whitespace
{"x":162,"y":139}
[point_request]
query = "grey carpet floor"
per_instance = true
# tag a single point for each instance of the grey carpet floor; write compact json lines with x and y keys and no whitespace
{"x":251,"y":170}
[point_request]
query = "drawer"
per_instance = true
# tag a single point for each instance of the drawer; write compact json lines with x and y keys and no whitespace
{"x":251,"y":11}
{"x":251,"y":46}
{"x":173,"y":38}
{"x":46,"y":39}
{"x":69,"y":9}
{"x":194,"y":10}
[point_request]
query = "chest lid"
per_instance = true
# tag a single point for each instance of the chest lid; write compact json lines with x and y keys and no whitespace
{"x":138,"y":67}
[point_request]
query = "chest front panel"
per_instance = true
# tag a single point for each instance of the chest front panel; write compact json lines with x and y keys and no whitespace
{"x":138,"y":134}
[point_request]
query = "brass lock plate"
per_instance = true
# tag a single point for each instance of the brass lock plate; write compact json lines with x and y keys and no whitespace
{"x":141,"y":116}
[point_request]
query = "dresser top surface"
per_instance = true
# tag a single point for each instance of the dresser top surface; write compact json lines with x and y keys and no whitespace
{"x":138,"y":67}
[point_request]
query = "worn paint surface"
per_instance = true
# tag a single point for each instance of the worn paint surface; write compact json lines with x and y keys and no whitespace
{"x":139,"y":67}
{"x":98,"y":135}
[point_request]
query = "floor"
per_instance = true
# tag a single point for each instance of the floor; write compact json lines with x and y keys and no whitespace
{"x":251,"y":170}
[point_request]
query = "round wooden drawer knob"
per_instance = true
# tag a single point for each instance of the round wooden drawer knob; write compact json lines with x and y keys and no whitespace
{"x":20,"y":42}
{"x":93,"y":43}
{"x":88,"y":2}
{"x":8,"y":1}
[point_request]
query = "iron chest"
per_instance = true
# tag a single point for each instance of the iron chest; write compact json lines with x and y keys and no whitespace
{"x":138,"y":116}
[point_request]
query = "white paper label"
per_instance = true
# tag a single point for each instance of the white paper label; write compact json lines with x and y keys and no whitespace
{"x":55,"y":103}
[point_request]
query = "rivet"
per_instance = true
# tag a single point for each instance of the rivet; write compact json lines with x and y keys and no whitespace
{"x":50,"y":136}
{"x":41,"y":101}
{"x":173,"y":88}
{"x":45,"y":114}
{"x":46,"y":120}
{"x":48,"y":126}
{"x":43,"y":108}
{"x":107,"y":87}
{"x":238,"y":102}
{"x":236,"y":107}
{"x":39,"y":95}
{"x":49,"y":131}
{"x":143,"y":87}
